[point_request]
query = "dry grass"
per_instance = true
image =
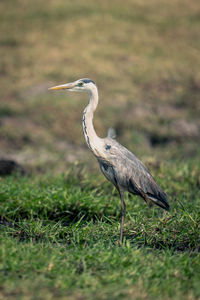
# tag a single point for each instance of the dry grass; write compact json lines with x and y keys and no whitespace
{"x":144,"y":57}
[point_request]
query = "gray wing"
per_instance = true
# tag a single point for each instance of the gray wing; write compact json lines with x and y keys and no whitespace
{"x":127,"y":172}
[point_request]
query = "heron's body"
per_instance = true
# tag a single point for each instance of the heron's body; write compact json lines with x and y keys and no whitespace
{"x":128,"y":173}
{"x":119,"y":165}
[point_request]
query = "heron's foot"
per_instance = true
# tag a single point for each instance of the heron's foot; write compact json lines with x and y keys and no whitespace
{"x":118,"y":243}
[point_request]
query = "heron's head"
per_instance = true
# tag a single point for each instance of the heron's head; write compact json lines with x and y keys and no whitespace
{"x":80,"y":85}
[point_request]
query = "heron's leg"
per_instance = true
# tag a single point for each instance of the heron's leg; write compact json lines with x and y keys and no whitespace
{"x":123,"y":211}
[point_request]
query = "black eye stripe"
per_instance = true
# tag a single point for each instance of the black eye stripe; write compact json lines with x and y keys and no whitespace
{"x":87,"y":80}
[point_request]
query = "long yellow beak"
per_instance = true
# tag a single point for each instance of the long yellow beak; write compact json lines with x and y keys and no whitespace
{"x":63,"y":86}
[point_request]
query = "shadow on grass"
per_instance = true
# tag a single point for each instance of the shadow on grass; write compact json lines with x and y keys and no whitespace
{"x":68,"y":216}
{"x":74,"y":216}
{"x":186,"y":245}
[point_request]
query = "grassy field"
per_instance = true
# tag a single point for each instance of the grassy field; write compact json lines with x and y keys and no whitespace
{"x":57,"y":239}
{"x":58,"y":242}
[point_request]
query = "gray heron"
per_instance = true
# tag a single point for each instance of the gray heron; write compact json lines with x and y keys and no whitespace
{"x":119,"y":165}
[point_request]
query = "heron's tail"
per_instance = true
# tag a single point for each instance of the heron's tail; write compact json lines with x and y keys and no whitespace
{"x":154,"y":194}
{"x":160,"y":200}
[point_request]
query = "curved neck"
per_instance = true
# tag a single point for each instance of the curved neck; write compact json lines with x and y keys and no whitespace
{"x":91,"y":137}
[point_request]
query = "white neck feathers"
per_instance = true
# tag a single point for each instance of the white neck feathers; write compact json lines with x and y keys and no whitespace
{"x":92,"y":140}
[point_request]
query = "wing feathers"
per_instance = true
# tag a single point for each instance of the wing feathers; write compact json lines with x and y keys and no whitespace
{"x":132,"y":175}
{"x":151,"y":193}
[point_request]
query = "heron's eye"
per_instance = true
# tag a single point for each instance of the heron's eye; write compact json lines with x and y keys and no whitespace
{"x":80,"y":84}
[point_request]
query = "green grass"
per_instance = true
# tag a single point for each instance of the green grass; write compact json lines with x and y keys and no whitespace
{"x":57,"y":241}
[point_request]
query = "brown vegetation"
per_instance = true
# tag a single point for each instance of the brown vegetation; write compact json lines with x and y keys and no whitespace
{"x":144,"y":57}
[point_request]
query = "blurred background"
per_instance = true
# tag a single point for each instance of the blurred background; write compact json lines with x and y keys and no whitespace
{"x":144,"y":57}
